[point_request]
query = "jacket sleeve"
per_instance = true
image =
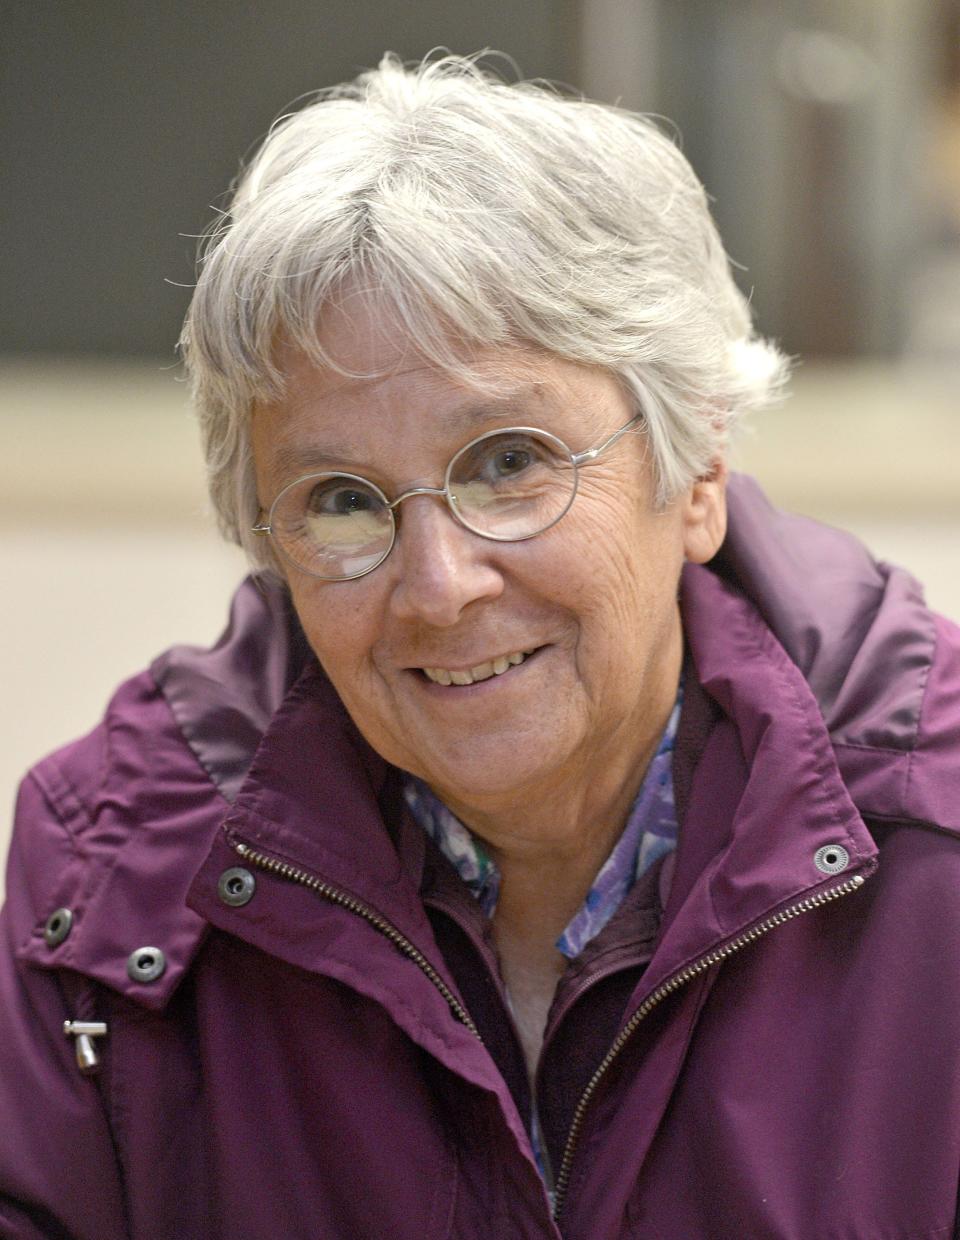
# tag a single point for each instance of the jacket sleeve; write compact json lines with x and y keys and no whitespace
{"x":59,"y":1176}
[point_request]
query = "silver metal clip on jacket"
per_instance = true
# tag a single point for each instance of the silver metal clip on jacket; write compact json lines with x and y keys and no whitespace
{"x":88,"y":1061}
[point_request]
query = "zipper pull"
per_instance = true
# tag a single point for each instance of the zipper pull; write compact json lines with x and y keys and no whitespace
{"x":88,"y":1061}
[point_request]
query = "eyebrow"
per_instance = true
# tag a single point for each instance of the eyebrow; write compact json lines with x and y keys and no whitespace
{"x":295,"y":460}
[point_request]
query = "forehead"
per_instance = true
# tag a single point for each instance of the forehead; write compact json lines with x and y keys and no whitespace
{"x":385,"y":403}
{"x":417,"y":412}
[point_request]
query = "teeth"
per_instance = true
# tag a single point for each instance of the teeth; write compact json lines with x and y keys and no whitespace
{"x":483,"y":671}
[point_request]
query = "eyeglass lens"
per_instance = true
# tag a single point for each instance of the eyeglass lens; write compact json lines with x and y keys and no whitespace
{"x":507,"y":485}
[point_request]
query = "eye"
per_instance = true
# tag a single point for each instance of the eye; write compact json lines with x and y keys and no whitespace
{"x":509,"y":461}
{"x":502,"y":459}
{"x":340,"y":498}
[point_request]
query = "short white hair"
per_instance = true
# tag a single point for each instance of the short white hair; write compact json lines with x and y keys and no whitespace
{"x":476,"y":213}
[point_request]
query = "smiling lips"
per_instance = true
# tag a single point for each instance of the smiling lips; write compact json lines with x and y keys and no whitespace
{"x":483,"y":671}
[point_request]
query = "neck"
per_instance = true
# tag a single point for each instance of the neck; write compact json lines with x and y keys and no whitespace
{"x":550,"y":842}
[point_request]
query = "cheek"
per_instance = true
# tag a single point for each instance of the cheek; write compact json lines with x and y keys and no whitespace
{"x":627,"y":564}
{"x":337,"y":625}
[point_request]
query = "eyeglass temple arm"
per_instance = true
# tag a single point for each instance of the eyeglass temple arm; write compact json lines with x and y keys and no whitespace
{"x":591,"y":454}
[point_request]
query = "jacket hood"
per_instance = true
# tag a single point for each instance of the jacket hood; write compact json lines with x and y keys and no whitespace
{"x":884,"y":669}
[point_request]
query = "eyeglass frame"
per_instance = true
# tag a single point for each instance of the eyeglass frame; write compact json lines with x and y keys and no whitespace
{"x":577,"y":459}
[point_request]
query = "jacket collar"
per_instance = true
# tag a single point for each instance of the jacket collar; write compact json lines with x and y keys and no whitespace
{"x":318,"y":796}
{"x":765,"y":795}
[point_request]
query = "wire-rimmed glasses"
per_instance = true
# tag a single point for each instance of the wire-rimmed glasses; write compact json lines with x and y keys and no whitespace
{"x":507,"y":485}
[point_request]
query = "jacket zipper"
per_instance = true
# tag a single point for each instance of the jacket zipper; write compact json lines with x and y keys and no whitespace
{"x":676,"y":980}
{"x":285,"y":870}
{"x":667,"y":987}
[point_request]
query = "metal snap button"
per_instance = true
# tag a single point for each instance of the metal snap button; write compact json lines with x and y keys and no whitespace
{"x":146,"y":964}
{"x":831,"y":859}
{"x":59,"y":924}
{"x":236,"y":886}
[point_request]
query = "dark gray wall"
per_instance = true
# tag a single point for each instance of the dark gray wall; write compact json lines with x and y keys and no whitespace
{"x":123,"y":121}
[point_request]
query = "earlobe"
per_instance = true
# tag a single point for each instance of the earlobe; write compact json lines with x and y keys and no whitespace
{"x":705,"y":515}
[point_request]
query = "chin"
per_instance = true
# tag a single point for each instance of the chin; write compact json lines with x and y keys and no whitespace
{"x":484,"y":780}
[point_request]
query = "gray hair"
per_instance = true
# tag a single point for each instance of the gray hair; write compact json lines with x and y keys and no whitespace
{"x":476,"y":213}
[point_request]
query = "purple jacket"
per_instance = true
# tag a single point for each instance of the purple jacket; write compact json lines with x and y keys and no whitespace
{"x":306,"y":1033}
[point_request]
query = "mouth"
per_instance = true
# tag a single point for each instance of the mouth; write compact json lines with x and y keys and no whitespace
{"x":482,"y":671}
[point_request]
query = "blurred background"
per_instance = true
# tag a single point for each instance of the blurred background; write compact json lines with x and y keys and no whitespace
{"x":828,"y":136}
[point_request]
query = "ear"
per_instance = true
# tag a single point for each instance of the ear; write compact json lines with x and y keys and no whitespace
{"x":705,"y":515}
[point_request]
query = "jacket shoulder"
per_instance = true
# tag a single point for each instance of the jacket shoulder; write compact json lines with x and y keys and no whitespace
{"x":61,"y":799}
{"x":127,"y":801}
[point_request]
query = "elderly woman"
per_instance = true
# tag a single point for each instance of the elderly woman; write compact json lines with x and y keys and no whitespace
{"x":538,"y":853}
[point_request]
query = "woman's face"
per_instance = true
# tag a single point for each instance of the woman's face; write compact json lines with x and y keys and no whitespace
{"x":590,"y":604}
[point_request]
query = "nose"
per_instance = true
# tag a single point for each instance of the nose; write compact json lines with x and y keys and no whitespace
{"x":439,"y":566}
